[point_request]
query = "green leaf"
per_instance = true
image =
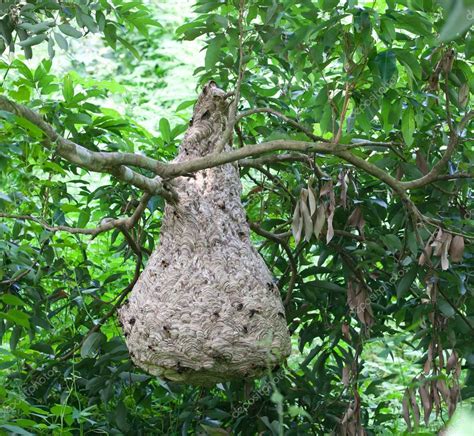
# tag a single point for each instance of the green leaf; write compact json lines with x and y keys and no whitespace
{"x":410,"y":62}
{"x":87,"y":21}
{"x":37,"y":28}
{"x":32,"y":129}
{"x":42,"y":347}
{"x":408,"y":125}
{"x":130,"y":47}
{"x":276,"y":397}
{"x":392,"y":242}
{"x":91,"y":344}
{"x":185,"y":105}
{"x":446,"y":308}
{"x":460,"y":18}
{"x":165,"y":130}
{"x":33,"y":40}
{"x":84,"y":217}
{"x":18,"y":317}
{"x":68,"y":88}
{"x":386,"y":64}
{"x":213,"y":52}
{"x":68,"y":30}
{"x":12,"y":300}
{"x":62,"y":42}
{"x":405,"y":282}
{"x":16,"y":430}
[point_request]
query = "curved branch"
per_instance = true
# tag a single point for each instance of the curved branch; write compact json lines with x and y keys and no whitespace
{"x":455,"y":176}
{"x":114,"y":162}
{"x":288,"y":120}
{"x":440,"y":165}
{"x":107,"y":224}
{"x":277,"y":158}
{"x":110,"y":162}
{"x":173,"y":170}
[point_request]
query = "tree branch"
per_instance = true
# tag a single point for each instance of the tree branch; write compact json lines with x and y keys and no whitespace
{"x":277,"y":158}
{"x":110,"y":162}
{"x":106,"y":225}
{"x":281,"y":241}
{"x":114,"y":162}
{"x":347,"y":95}
{"x":232,"y":120}
{"x":439,"y":166}
{"x":288,"y":120}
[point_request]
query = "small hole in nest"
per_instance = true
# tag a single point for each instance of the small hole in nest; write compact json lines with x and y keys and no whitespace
{"x":245,"y":329}
{"x":253,"y":312}
{"x":240,"y":306}
{"x":132,"y":321}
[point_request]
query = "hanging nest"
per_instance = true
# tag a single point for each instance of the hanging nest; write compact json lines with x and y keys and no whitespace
{"x":206,"y":308}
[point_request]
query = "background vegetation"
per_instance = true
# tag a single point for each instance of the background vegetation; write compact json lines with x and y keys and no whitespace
{"x":379,"y":299}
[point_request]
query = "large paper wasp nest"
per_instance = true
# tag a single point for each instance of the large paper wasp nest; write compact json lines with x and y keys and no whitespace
{"x":206,"y":308}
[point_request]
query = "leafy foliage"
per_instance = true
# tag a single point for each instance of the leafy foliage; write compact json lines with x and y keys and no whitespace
{"x":380,"y":302}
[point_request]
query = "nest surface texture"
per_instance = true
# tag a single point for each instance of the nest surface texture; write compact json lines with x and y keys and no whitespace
{"x":206,"y":308}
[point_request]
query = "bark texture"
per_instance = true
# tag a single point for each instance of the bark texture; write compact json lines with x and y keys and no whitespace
{"x":206,"y":308}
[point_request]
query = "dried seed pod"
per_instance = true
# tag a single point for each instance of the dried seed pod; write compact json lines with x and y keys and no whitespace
{"x":346,"y":331}
{"x":435,"y":396}
{"x":429,"y":359}
{"x":456,"y":250}
{"x":297,"y":223}
{"x":444,"y":251}
{"x":312,"y":200}
{"x":406,"y":409}
{"x":427,"y":403}
{"x":443,"y":389}
{"x":452,"y":361}
{"x":415,"y":407}
{"x":453,"y":399}
{"x":319,"y":220}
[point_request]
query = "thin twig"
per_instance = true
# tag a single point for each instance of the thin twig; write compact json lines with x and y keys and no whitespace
{"x":281,"y":241}
{"x":347,"y":96}
{"x":107,"y":224}
{"x":288,"y":120}
{"x":232,"y":119}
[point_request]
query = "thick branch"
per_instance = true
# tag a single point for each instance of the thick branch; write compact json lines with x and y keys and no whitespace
{"x":173,"y":170}
{"x":112,"y":163}
{"x":277,"y":158}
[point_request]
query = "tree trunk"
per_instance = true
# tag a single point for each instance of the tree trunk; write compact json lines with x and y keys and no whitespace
{"x":206,"y":308}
